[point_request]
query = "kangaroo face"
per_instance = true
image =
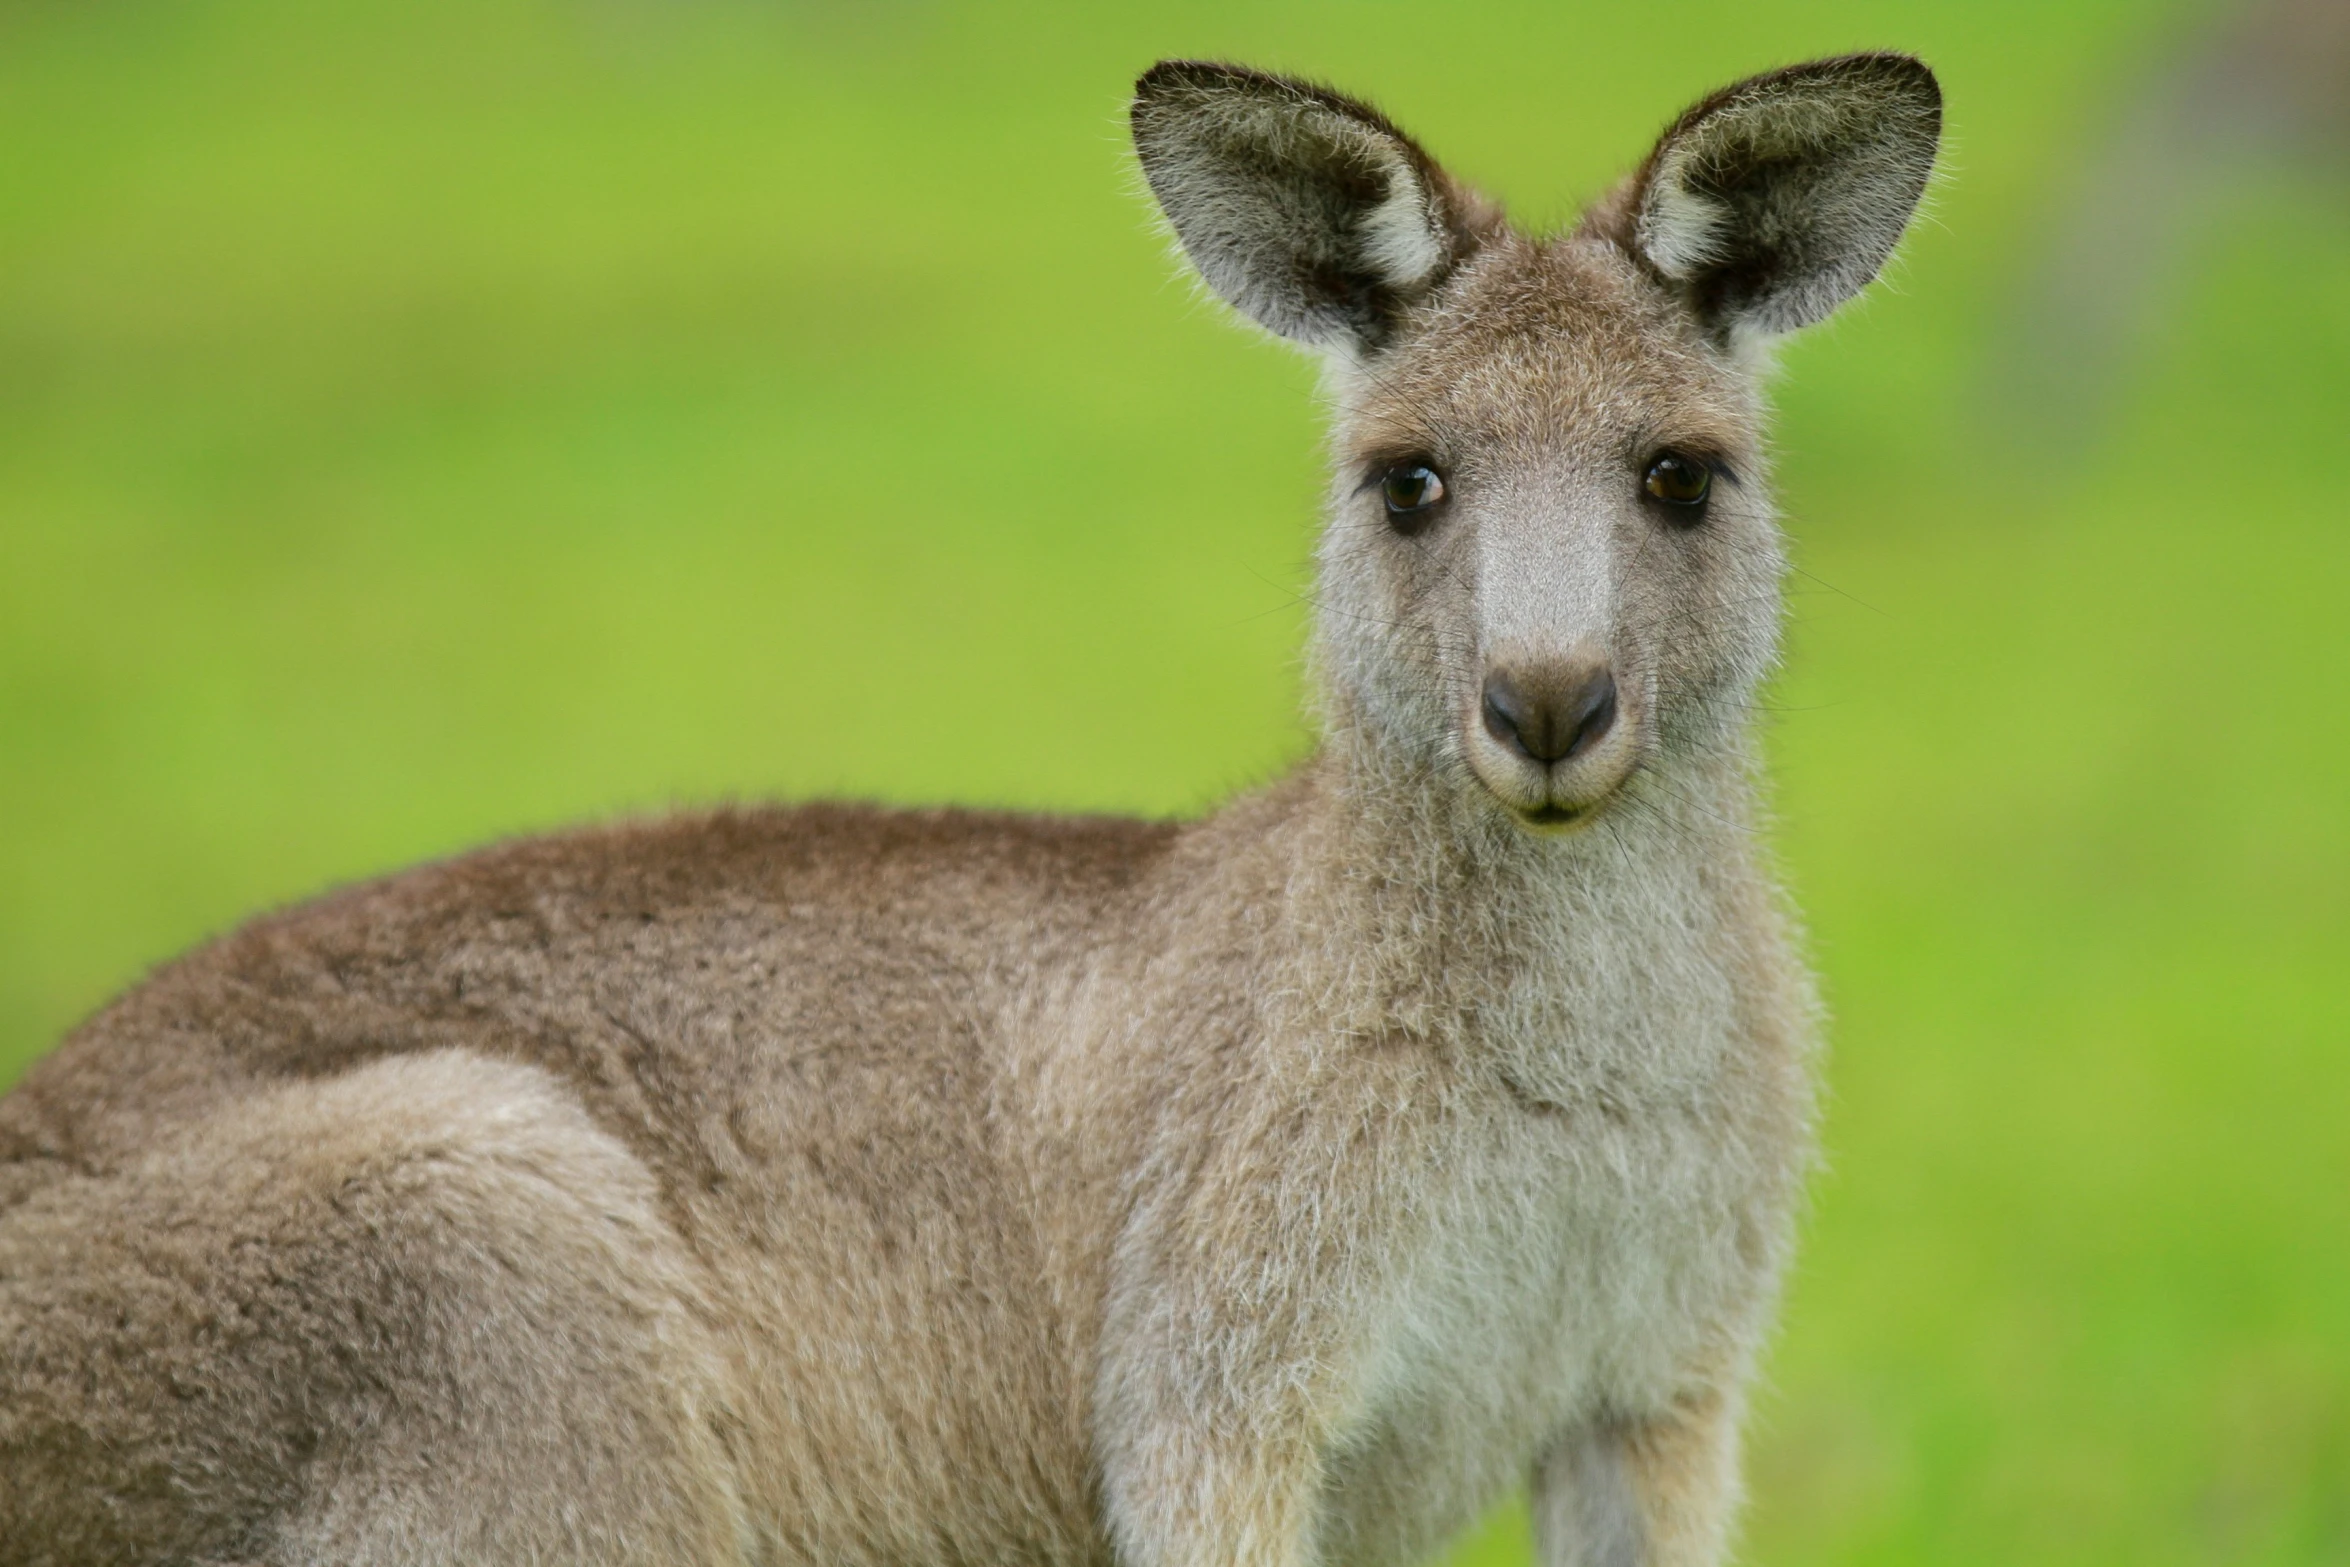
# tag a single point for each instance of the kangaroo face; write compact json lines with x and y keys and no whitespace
{"x":1550,"y":561}
{"x":1550,"y":564}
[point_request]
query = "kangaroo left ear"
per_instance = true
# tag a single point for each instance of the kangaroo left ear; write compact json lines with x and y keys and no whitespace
{"x":1308,"y":211}
{"x":1772,"y":202}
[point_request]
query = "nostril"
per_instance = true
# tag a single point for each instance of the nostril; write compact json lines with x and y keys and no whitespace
{"x":1555,"y":721}
{"x":1505,"y":713}
{"x":1590,"y":713}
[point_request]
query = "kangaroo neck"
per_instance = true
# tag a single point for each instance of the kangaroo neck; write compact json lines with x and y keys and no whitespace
{"x":1418,"y":907}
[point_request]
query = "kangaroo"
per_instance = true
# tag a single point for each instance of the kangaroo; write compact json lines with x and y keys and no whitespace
{"x":844,"y":1186}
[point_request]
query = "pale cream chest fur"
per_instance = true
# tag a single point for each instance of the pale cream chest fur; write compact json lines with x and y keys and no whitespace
{"x":1615,"y":1191}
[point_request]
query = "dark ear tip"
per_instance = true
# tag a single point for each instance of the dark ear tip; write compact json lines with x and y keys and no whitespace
{"x":1888,"y":71}
{"x":1901,"y":73}
{"x":1164,"y":75}
{"x":1170,"y":78}
{"x":1901,"y":84}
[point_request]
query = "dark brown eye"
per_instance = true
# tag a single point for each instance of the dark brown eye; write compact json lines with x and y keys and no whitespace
{"x":1679,"y":481}
{"x":1411,"y":491}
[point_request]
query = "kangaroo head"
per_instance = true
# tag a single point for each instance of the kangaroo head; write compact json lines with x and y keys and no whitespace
{"x":1549,"y":556}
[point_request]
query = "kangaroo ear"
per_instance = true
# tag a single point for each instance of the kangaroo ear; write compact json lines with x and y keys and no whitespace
{"x":1774,"y":201}
{"x":1307,"y":211}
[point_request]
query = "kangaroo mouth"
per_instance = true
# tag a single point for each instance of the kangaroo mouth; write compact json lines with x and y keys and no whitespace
{"x":1546,"y":786}
{"x":1532,"y":803}
{"x":1557,"y":821}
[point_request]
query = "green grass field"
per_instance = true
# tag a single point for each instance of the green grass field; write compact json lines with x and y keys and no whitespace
{"x":424,"y":422}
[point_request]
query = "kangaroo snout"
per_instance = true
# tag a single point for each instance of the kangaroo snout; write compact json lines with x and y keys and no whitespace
{"x":1556,"y":738}
{"x":1551,"y":712}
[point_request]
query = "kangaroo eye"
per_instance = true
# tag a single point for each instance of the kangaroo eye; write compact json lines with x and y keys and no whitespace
{"x":1679,"y":481}
{"x":1412,"y":491}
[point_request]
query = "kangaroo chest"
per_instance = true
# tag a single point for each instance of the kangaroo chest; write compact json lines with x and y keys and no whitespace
{"x":1591,"y":1239}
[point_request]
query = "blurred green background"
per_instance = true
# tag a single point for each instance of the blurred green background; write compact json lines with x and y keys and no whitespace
{"x":425,"y":422}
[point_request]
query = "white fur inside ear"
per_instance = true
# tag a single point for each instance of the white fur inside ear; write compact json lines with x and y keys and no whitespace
{"x":1679,"y":230}
{"x":1400,"y":237}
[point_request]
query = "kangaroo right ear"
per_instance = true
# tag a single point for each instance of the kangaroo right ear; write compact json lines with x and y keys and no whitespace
{"x":1774,"y":201}
{"x":1307,"y":211}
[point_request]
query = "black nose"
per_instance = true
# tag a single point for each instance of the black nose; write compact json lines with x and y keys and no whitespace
{"x":1549,"y":714}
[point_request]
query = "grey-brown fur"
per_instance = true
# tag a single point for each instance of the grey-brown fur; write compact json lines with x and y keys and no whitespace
{"x":842,"y":1186}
